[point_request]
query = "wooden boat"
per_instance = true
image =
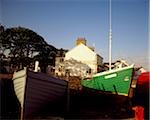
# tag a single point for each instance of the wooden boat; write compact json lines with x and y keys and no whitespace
{"x":114,"y":80}
{"x":35,"y":90}
{"x":143,"y":85}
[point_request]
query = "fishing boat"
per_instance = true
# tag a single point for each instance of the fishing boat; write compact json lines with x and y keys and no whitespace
{"x":116,"y":80}
{"x":35,"y":90}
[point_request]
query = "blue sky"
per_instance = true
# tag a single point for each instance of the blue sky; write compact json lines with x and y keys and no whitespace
{"x":61,"y":22}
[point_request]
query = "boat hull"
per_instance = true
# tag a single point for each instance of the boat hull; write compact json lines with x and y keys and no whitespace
{"x":36,"y":90}
{"x":116,"y":81}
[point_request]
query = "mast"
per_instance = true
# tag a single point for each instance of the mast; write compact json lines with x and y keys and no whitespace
{"x":110,"y":35}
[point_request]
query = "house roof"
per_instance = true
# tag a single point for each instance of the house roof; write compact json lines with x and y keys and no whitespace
{"x":81,"y":47}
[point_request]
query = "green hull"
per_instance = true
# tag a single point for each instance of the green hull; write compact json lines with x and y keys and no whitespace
{"x":116,"y":81}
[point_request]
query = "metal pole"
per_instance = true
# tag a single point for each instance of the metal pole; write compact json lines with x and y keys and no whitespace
{"x":110,"y":36}
{"x":68,"y":94}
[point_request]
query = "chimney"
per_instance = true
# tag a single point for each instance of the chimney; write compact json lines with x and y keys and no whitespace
{"x":81,"y":40}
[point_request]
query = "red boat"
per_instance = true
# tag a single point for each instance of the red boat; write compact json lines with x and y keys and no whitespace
{"x":142,"y":92}
{"x":144,"y":78}
{"x":143,"y":84}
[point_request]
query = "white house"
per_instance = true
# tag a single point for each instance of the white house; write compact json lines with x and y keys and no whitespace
{"x":85,"y":54}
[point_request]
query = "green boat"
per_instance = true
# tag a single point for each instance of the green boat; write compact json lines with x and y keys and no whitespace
{"x":116,"y":81}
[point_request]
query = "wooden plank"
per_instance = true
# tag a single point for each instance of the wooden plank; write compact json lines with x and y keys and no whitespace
{"x":6,"y":76}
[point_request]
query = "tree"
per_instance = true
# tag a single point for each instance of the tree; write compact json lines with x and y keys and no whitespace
{"x":1,"y":37}
{"x":22,"y":45}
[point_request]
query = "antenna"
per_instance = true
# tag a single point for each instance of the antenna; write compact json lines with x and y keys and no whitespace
{"x":110,"y":36}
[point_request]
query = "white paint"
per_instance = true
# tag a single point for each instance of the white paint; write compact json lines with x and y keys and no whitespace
{"x":110,"y":76}
{"x":36,"y":66}
{"x":19,"y":81}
